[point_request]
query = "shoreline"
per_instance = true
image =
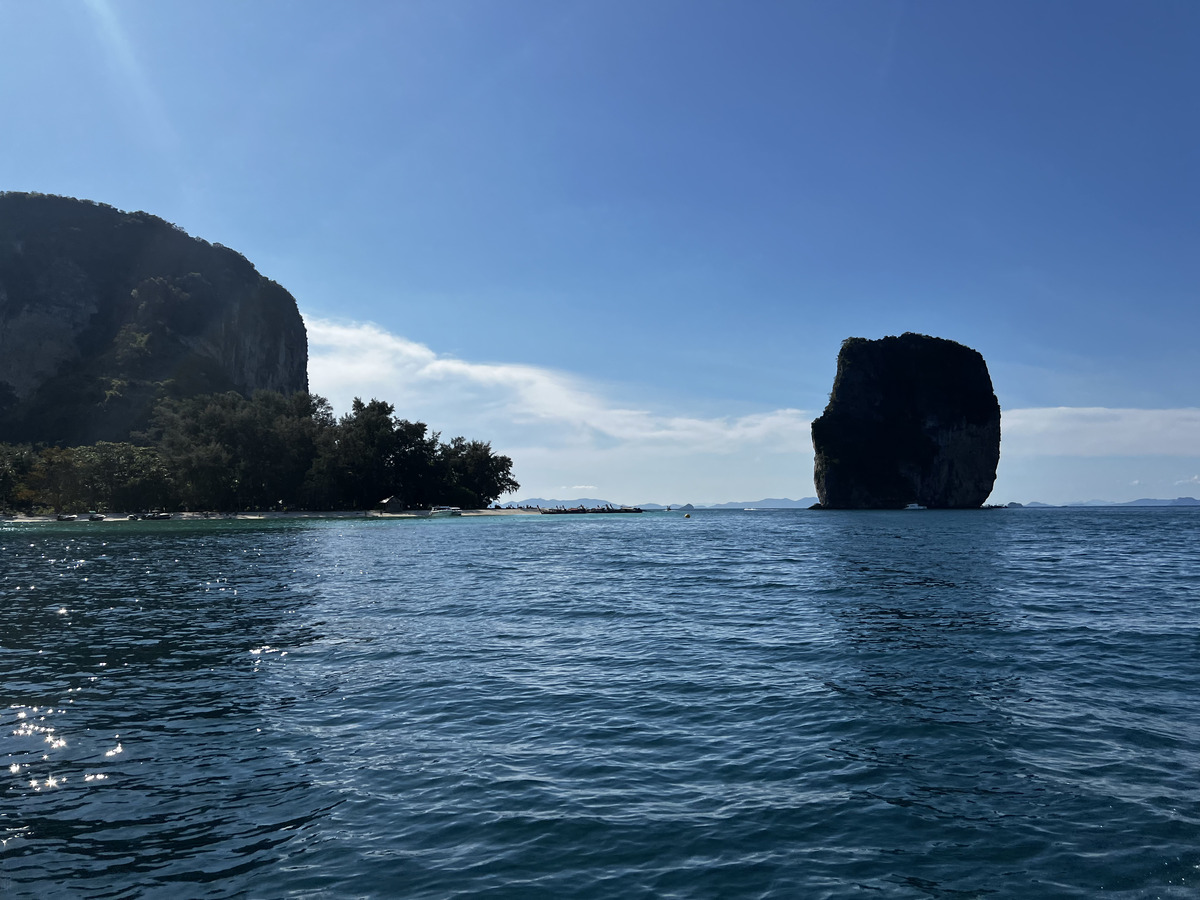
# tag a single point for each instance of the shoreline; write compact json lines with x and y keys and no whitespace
{"x":254,"y":516}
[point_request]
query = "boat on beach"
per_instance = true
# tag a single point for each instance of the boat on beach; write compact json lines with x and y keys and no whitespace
{"x":439,"y":511}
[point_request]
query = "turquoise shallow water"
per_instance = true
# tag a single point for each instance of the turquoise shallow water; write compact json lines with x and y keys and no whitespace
{"x":741,"y":704}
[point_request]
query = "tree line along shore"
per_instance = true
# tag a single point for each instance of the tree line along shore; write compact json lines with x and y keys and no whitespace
{"x":269,"y":451}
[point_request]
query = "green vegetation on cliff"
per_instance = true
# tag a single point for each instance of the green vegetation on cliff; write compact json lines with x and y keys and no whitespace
{"x":141,"y":367}
{"x":103,"y":313}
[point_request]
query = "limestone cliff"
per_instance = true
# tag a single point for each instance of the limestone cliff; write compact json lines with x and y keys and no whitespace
{"x":911,"y":419}
{"x":102,"y":312}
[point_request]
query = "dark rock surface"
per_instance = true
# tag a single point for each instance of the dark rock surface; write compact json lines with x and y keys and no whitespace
{"x":911,"y":419}
{"x":102,"y":312}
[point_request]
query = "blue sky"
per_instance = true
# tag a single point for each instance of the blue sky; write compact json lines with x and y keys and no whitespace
{"x":624,"y":240}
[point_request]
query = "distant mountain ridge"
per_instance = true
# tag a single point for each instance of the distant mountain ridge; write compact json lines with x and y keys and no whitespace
{"x":806,"y":502}
{"x":770,"y":503}
{"x":1144,"y":501}
{"x":550,"y":504}
{"x":773,"y":503}
{"x":1087,"y":504}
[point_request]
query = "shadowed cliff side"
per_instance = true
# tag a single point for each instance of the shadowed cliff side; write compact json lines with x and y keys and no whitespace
{"x":103,"y":312}
{"x":911,"y":419}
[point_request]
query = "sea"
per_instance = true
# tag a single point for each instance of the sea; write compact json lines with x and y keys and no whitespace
{"x":735,"y":704}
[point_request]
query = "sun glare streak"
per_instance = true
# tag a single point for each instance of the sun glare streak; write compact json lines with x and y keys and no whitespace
{"x":132,"y":77}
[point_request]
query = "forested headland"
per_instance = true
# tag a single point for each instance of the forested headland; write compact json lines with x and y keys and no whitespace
{"x":142,"y":368}
{"x":233,"y":453}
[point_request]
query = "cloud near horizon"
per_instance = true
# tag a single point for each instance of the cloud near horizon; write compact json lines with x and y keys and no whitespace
{"x":1100,"y":431}
{"x":348,"y":360}
{"x":562,"y":430}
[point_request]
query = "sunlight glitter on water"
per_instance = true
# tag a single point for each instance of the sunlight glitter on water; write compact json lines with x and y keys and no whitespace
{"x":770,"y":705}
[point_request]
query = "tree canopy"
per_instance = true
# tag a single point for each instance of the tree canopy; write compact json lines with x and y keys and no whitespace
{"x":229,"y":452}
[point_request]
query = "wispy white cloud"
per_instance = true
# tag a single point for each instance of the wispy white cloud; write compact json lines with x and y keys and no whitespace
{"x":1098,"y":431}
{"x":357,"y":359}
{"x":562,"y":430}
{"x":1195,"y":479}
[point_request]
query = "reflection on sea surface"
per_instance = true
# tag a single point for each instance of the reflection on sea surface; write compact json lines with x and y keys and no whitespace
{"x":132,"y":722}
{"x":736,"y":704}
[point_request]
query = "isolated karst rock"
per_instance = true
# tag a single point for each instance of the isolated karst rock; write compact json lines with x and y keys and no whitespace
{"x":103,"y":312}
{"x":911,"y":419}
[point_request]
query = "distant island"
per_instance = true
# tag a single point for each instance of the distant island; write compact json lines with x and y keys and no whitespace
{"x":782,"y":503}
{"x":808,"y":503}
{"x":1144,"y":501}
{"x":142,"y":368}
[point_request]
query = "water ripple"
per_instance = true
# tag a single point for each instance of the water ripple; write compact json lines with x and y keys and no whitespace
{"x":735,"y":705}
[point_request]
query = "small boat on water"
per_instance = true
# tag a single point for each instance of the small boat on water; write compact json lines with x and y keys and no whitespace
{"x":67,"y":517}
{"x":439,"y":511}
{"x":97,"y":517}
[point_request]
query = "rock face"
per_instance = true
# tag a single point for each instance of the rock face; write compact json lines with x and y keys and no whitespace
{"x":911,"y":419}
{"x":102,"y":312}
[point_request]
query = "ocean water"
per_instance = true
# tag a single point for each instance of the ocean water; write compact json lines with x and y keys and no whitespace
{"x":741,"y":704}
